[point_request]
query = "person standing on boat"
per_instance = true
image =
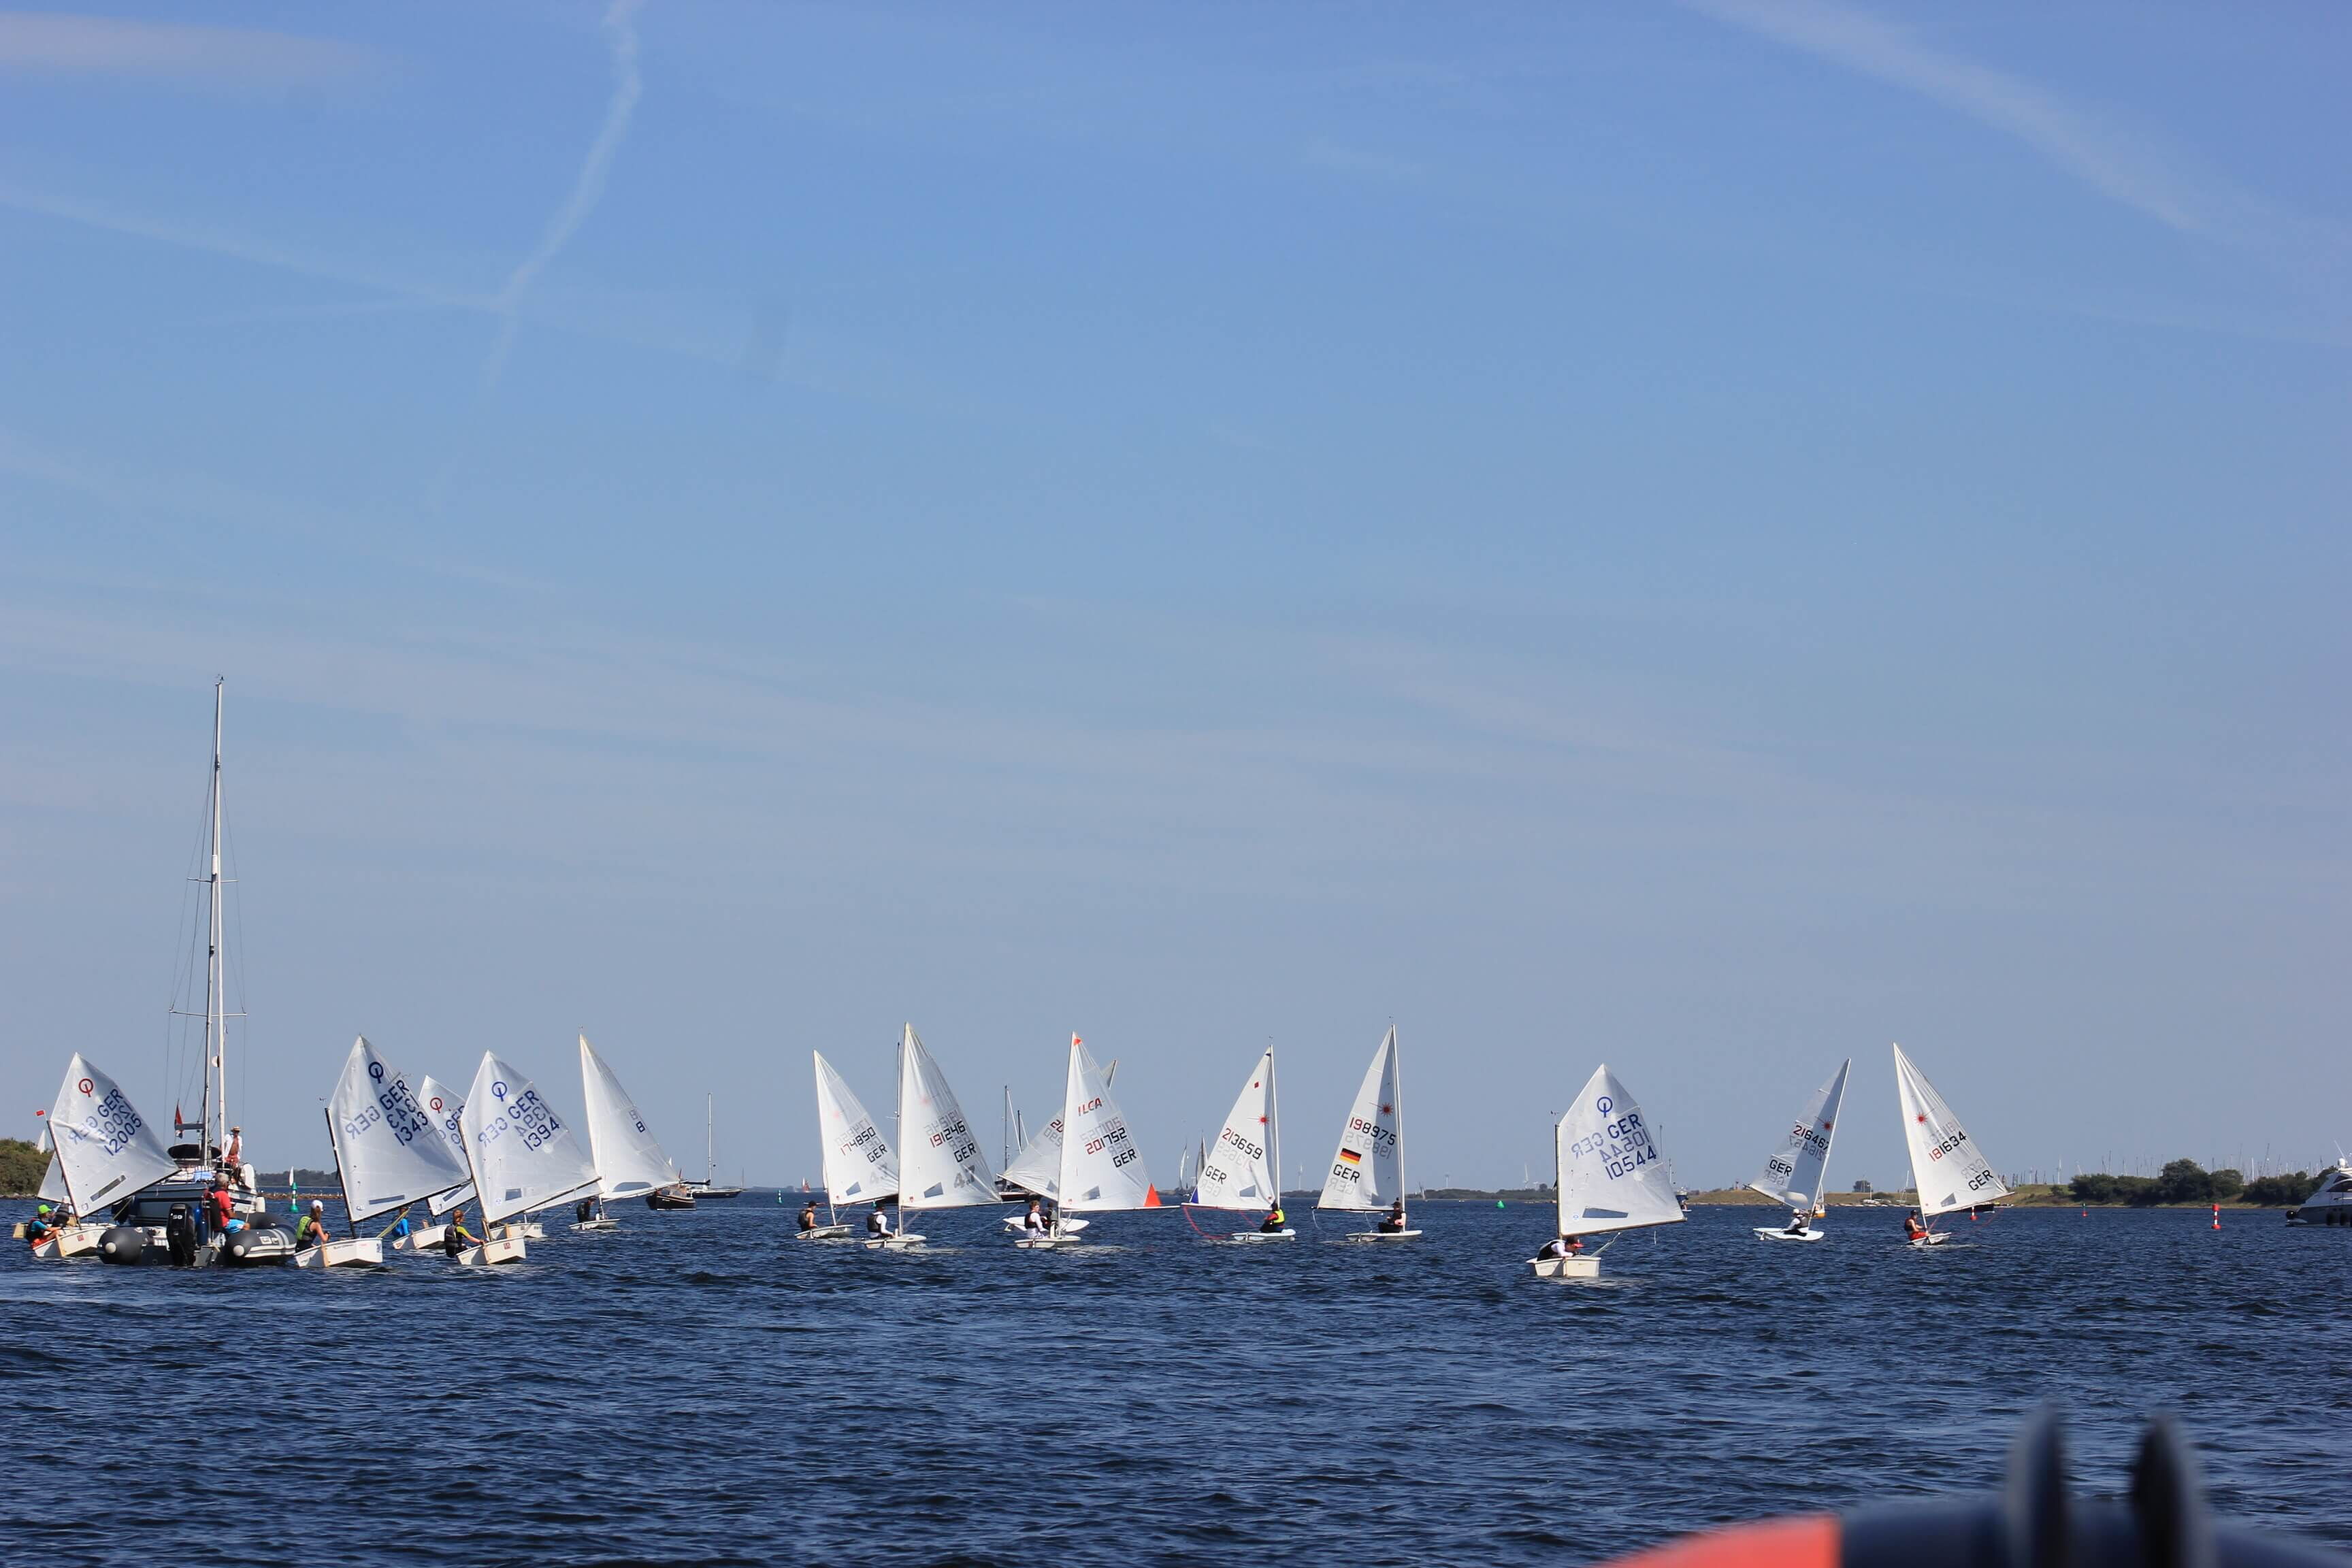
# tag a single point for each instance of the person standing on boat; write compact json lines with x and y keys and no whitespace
{"x":233,"y":1157}
{"x":455,"y":1238}
{"x":1395,"y":1222}
{"x":808,"y":1215}
{"x":219,"y":1205}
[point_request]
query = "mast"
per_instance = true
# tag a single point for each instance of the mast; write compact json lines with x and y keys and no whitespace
{"x":216,"y":970}
{"x":1070,"y":1082}
{"x":1272,"y":1129}
{"x":335,"y":1147}
{"x":710,"y":1140}
{"x":1396,"y":1071}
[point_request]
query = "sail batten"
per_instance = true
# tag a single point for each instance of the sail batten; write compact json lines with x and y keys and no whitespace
{"x":1613,"y":1175}
{"x":1794,"y":1173}
{"x":388,"y":1149}
{"x":1947,"y":1170}
{"x":1368,"y":1168}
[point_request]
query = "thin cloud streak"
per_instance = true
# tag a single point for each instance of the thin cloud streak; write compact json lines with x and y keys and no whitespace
{"x":587,"y":187}
{"x":156,"y":51}
{"x":2095,"y":154}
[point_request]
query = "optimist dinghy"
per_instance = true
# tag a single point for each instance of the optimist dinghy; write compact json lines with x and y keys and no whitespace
{"x":628,"y":1159}
{"x":1243,"y":1173}
{"x":1947,"y":1170}
{"x":524,"y":1158}
{"x":1367,"y":1175}
{"x":1611,"y":1176}
{"x":1099,"y":1169}
{"x":1795,"y":1172}
{"x":388,"y":1154}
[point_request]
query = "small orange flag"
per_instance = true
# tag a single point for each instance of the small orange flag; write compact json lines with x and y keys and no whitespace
{"x":1151,"y":1196}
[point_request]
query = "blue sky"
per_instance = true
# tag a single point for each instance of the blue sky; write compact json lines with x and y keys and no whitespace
{"x":1707,"y":537}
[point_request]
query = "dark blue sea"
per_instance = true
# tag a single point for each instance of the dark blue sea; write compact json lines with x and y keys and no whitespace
{"x":700,"y":1389}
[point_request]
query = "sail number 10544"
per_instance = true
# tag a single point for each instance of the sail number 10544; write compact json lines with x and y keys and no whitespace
{"x":1623,"y":1145}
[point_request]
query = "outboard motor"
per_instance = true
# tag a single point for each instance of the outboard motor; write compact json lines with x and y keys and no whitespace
{"x":2031,"y":1522}
{"x":180,"y":1236}
{"x":123,"y":1244}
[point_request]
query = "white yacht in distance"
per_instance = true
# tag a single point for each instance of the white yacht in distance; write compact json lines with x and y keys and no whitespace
{"x":2330,"y":1203}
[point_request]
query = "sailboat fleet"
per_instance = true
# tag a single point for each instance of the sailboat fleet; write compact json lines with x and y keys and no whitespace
{"x":505,"y":1147}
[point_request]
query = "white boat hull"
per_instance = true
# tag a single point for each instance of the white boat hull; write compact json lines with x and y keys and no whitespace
{"x":1774,"y":1233}
{"x":597,"y":1224}
{"x":1045,"y":1243}
{"x":421,"y":1238}
{"x":1933,"y":1239}
{"x":1071,"y":1227}
{"x":1382,"y":1235}
{"x":357,"y":1249}
{"x":894,"y":1243}
{"x":1249,"y":1237}
{"x":73,"y":1241}
{"x":1566,"y":1267}
{"x":497,"y":1249}
{"x":826,"y":1233}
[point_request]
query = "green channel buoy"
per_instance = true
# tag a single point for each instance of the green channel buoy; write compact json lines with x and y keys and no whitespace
{"x":1499,"y":1202}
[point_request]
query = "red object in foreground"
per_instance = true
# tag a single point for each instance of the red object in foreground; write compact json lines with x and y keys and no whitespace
{"x":1810,"y":1541}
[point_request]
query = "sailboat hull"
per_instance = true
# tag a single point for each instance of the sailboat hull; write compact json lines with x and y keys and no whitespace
{"x":1012,"y":1223}
{"x":1382,"y":1235}
{"x":597,"y":1224}
{"x":826,"y":1233}
{"x":1773,"y":1233}
{"x":1566,"y":1267}
{"x":421,"y":1238}
{"x":1933,"y":1239}
{"x":73,"y":1241}
{"x":1250,"y":1238}
{"x":363,"y":1249}
{"x":895,"y":1243}
{"x":497,"y":1249}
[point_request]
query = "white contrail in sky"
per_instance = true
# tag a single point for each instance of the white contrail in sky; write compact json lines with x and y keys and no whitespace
{"x":587,"y":188}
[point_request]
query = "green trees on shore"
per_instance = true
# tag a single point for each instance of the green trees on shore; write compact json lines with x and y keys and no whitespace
{"x":21,"y":1165}
{"x":2187,"y":1182}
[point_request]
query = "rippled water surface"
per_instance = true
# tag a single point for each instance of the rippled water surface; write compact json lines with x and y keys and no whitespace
{"x":701,"y":1388}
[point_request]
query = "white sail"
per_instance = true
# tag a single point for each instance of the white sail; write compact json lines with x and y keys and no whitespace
{"x":447,"y":1112}
{"x":1794,"y":1173}
{"x":1240,"y":1172}
{"x":1368,"y":1168}
{"x":1038,"y":1167}
{"x":941,"y":1162}
{"x":1612,"y":1176}
{"x":858,"y":1166}
{"x":53,"y":1182}
{"x":524,"y":1155}
{"x":1101,"y":1166}
{"x":386,"y":1145}
{"x":628,"y":1159}
{"x":1947,"y":1167}
{"x":105,"y":1150}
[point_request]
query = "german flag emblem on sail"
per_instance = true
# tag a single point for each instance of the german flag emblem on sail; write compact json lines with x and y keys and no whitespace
{"x":1350,"y":1157}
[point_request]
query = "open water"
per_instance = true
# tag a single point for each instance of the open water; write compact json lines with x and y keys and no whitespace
{"x":701,"y":1388}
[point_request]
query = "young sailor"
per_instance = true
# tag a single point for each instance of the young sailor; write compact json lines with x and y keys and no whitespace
{"x":1274,"y":1221}
{"x":312,"y":1230}
{"x":1562,"y":1247}
{"x":399,"y":1231}
{"x":454,"y":1238}
{"x":877,"y":1224}
{"x":1395,"y":1222}
{"x":808,"y":1215}
{"x":1799,"y":1223}
{"x":1034,"y":1222}
{"x":1912,"y":1229}
{"x":37,"y":1229}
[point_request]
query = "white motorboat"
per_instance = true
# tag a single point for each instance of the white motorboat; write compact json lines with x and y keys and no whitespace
{"x":2330,"y":1203}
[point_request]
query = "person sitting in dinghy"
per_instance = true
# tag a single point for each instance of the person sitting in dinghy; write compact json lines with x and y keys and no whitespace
{"x":455,"y":1238}
{"x":37,"y":1229}
{"x":1395,"y":1222}
{"x":312,"y":1231}
{"x":1799,"y":1223}
{"x":808,"y":1215}
{"x":1034,"y":1222}
{"x":877,"y":1224}
{"x":1274,"y":1220}
{"x":1912,"y":1229}
{"x":1562,"y":1247}
{"x":399,"y":1231}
